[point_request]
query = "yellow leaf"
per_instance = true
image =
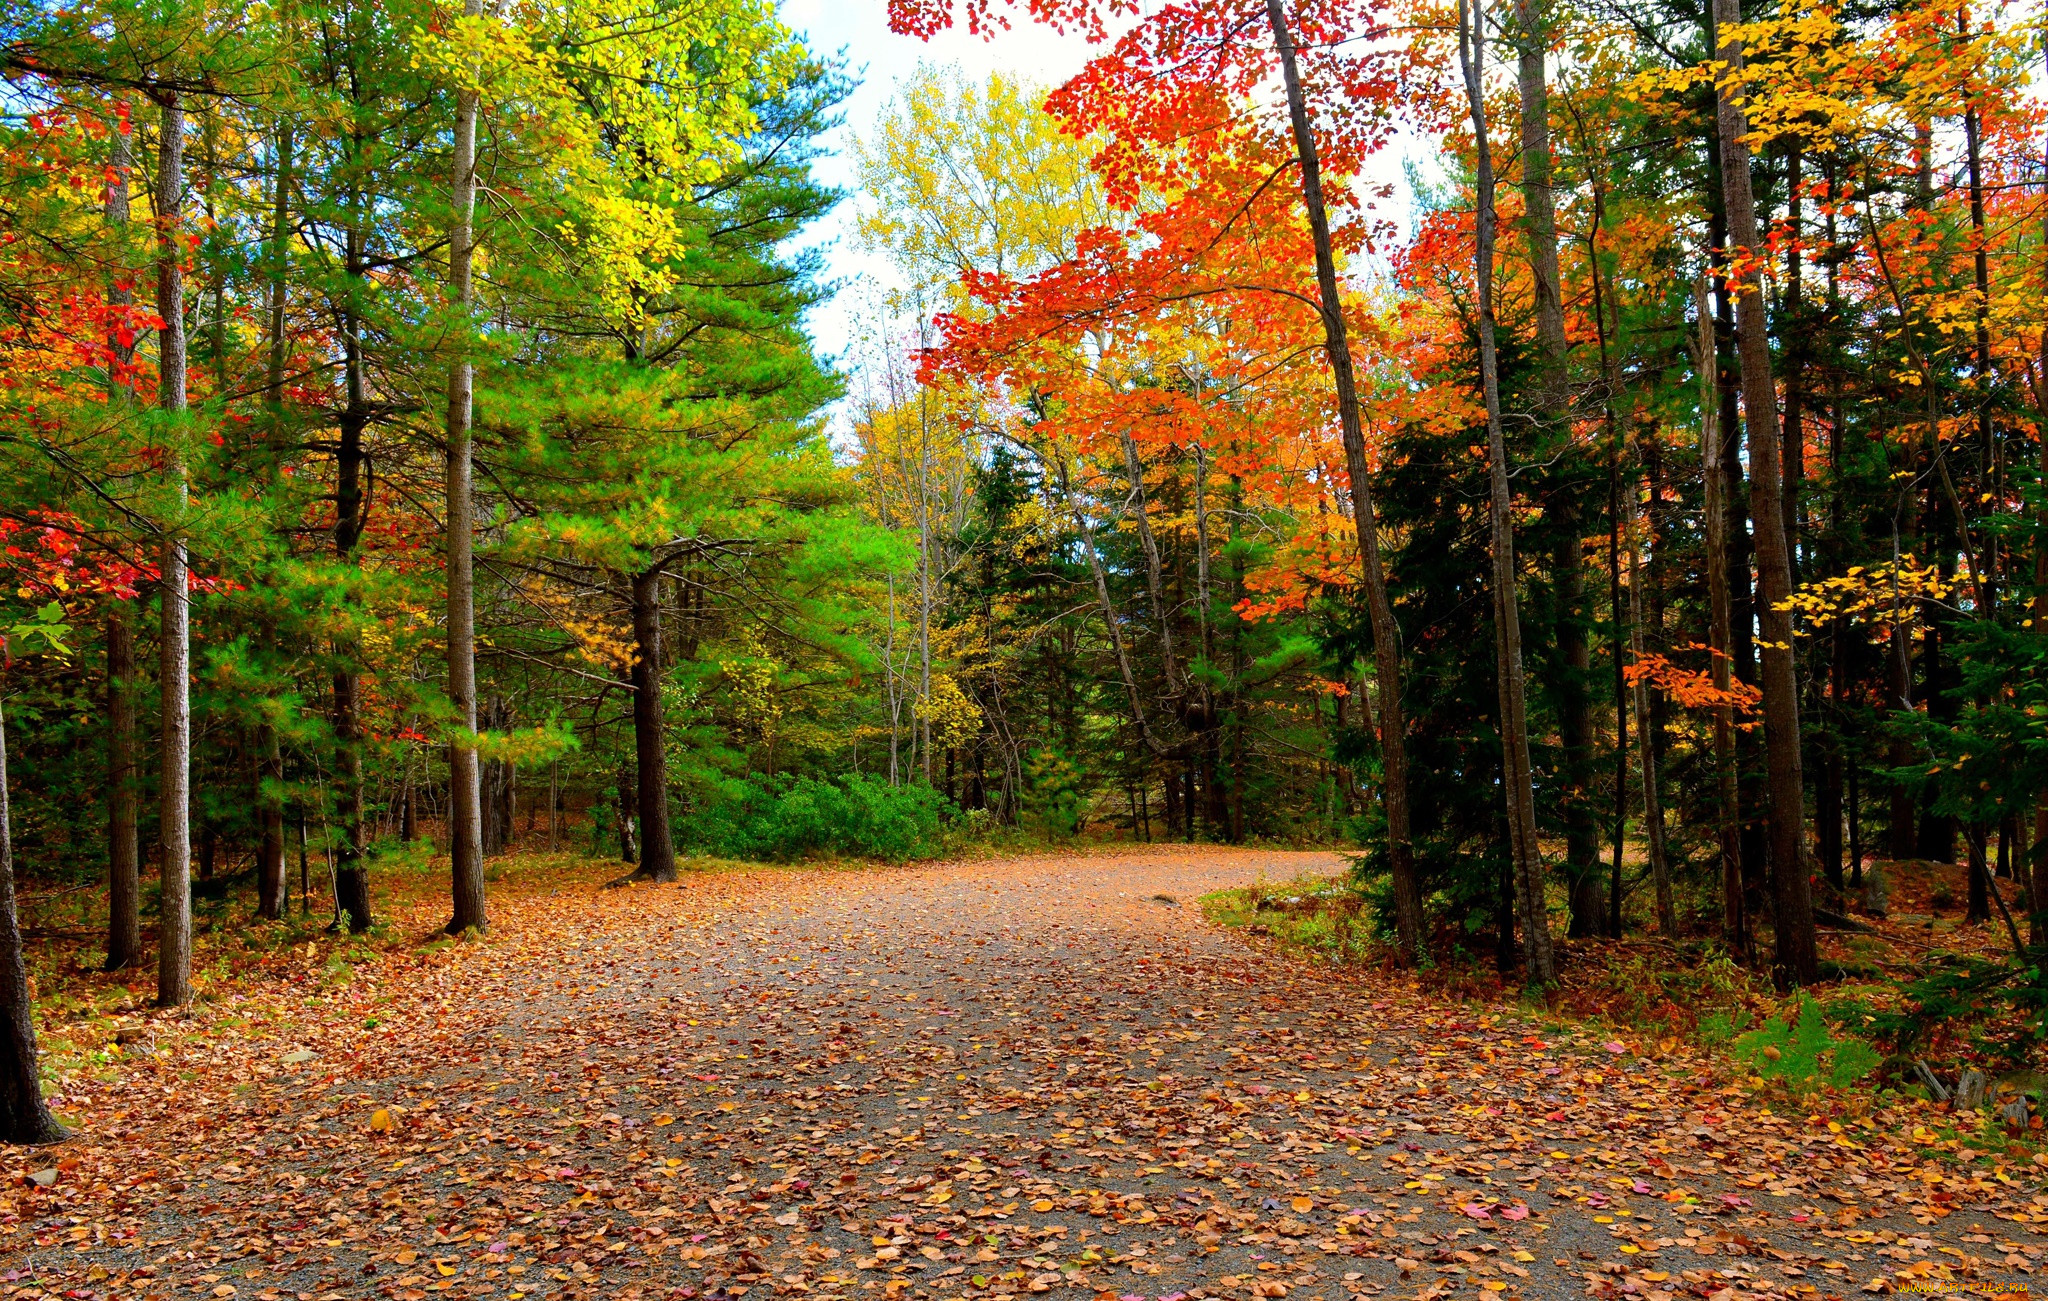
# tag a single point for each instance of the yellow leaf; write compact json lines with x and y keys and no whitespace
{"x":1303,"y":1204}
{"x":1042,"y":1205}
{"x":380,"y":1120}
{"x":447,"y":1271}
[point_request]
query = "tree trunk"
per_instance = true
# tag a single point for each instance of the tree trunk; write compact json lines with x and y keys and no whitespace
{"x":2036,"y":870}
{"x":657,"y":847}
{"x":1574,"y":702}
{"x":623,"y":815}
{"x":1386,"y":635}
{"x":1828,"y":799}
{"x":1575,"y":729}
{"x":124,"y":848}
{"x":174,"y":911}
{"x":465,"y":794}
{"x":1796,"y":960}
{"x":351,"y":877}
{"x":1653,"y":801}
{"x":1979,"y":907}
{"x":1517,"y":778}
{"x":270,"y":867}
{"x":1900,"y":836}
{"x":23,"y":1116}
{"x":1792,"y":334}
{"x":1614,"y":876}
{"x":1611,"y":383}
{"x":1727,"y":813}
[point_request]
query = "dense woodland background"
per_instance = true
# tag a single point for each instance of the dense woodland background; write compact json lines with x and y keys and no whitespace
{"x":1695,"y":411}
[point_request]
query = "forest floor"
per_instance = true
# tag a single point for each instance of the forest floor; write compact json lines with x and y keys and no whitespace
{"x":1043,"y":1075}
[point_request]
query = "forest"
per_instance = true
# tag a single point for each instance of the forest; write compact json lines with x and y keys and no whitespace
{"x":414,"y":448}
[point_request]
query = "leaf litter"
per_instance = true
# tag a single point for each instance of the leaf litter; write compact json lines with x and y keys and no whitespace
{"x":993,"y":1079}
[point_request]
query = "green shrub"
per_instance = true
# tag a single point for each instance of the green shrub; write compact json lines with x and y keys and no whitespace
{"x":787,"y":818}
{"x":1056,"y":790}
{"x":1800,"y":1050}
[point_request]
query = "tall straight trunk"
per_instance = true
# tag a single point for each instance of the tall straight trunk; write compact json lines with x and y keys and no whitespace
{"x":624,"y":815}
{"x":24,"y":1117}
{"x":1614,"y":875}
{"x":1978,"y":909}
{"x":1838,"y":785}
{"x":1793,"y":337}
{"x":1827,"y":809}
{"x":1735,"y":931}
{"x":270,"y":867}
{"x":1901,"y":840}
{"x":889,"y":682}
{"x":1203,"y":634}
{"x":1386,"y":634}
{"x":1796,"y":959}
{"x":924,"y":584}
{"x":174,"y":912}
{"x":1516,"y":777}
{"x":1653,"y":800}
{"x":1735,"y":538}
{"x":1610,"y":382}
{"x":1575,"y":702}
{"x":351,"y":876}
{"x":280,"y":281}
{"x":124,"y":848}
{"x":1981,"y":266}
{"x":465,"y":789}
{"x":2037,"y":871}
{"x":657,"y":846}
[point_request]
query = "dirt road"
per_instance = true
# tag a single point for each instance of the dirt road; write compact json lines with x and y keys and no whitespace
{"x":1037,"y":1076}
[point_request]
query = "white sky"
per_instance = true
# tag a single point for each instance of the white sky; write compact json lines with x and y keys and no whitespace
{"x":879,"y":59}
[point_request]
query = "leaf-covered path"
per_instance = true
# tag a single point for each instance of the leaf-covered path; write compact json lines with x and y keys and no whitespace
{"x":1027,"y":1076}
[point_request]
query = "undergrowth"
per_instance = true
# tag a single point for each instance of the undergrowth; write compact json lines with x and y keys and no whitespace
{"x":1864,"y":1029}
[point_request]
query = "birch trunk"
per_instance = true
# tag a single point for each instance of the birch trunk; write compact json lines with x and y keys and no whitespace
{"x":465,"y":787}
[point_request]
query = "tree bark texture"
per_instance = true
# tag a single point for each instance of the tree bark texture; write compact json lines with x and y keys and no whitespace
{"x":657,"y":846}
{"x":174,"y":786}
{"x":1386,"y":634}
{"x":465,"y":794}
{"x":1517,"y":777}
{"x":1796,"y":959}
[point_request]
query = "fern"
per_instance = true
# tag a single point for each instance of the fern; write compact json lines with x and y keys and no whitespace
{"x":1800,"y":1050}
